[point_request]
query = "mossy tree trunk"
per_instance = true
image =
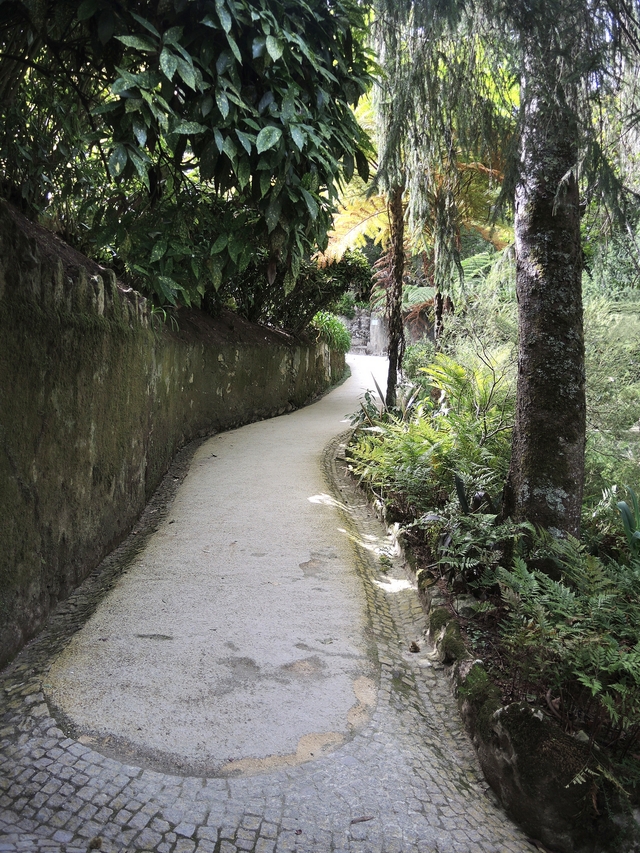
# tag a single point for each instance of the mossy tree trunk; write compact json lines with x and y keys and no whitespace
{"x":545,"y":480}
{"x":394,"y":296}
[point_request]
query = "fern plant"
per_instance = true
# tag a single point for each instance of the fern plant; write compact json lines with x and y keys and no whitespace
{"x":577,"y":640}
{"x":631,"y":522}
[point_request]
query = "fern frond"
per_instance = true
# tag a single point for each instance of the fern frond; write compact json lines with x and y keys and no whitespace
{"x":358,"y":218}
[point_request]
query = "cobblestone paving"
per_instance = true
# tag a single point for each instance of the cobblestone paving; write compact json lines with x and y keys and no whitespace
{"x":406,"y":783}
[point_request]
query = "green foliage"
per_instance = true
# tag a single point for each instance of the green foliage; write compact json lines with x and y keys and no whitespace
{"x":442,"y":123}
{"x":135,"y":123}
{"x":416,"y":357}
{"x":251,"y":294}
{"x":460,"y":417}
{"x":612,"y":344}
{"x":631,"y":522}
{"x":612,"y":268}
{"x":475,"y":402}
{"x":460,"y":423}
{"x":406,"y":465}
{"x":345,"y":306}
{"x":167,"y":248}
{"x":486,"y":309}
{"x":475,"y":544}
{"x":354,"y":271}
{"x":572,"y":642}
{"x":332,"y":330}
{"x":577,"y":639}
{"x":466,"y":393}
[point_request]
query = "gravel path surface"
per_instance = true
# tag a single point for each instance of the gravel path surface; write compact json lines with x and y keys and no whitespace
{"x":237,"y":676}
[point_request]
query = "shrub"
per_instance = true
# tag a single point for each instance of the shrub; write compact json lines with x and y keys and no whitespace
{"x":354,"y":270}
{"x":574,"y":642}
{"x":460,"y":423}
{"x":345,"y":306}
{"x":416,"y":357}
{"x":612,"y":338}
{"x":332,"y":330}
{"x":261,"y":302}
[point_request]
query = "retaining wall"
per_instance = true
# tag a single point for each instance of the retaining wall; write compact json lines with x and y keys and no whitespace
{"x":96,"y":396}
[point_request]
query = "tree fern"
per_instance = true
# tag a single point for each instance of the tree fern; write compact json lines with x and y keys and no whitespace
{"x":358,"y":219}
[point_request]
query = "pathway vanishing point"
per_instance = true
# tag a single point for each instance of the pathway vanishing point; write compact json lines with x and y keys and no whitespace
{"x":237,"y":675}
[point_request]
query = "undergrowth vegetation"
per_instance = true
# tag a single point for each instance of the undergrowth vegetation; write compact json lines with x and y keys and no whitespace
{"x":566,"y":638}
{"x":332,"y":330}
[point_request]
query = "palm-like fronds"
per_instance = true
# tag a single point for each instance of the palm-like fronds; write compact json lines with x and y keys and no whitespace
{"x":359,"y":218}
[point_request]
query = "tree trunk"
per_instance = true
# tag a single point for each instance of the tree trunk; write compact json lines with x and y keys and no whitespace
{"x":546,"y":475}
{"x":438,"y":307}
{"x":394,"y":298}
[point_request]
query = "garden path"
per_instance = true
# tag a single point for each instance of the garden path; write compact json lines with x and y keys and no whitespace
{"x":237,"y":676}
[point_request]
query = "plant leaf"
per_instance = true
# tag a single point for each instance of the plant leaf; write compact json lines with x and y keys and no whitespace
{"x":311,"y":203}
{"x":268,"y":138}
{"x":223,"y":104}
{"x":214,"y":265}
{"x":298,"y":137}
{"x":138,"y":43}
{"x":243,"y":172}
{"x":186,"y":72}
{"x":159,"y":250}
{"x":224,"y":16}
{"x":118,"y":160}
{"x":86,"y":9}
{"x":229,"y":148}
{"x":189,"y":127}
{"x":234,"y":47}
{"x":146,"y":24}
{"x":168,"y":288}
{"x":168,"y":63}
{"x":274,"y":48}
{"x":245,"y":140}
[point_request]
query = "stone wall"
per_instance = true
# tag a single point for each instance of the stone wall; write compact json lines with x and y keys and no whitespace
{"x":96,"y":396}
{"x":368,"y":332}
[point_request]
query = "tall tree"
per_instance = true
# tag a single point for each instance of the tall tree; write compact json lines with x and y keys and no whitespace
{"x":563,"y":52}
{"x":546,"y":474}
{"x":429,"y":120}
{"x":567,"y":51}
{"x":390,"y":103}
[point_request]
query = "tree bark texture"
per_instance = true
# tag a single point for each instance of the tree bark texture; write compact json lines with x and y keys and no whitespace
{"x":546,"y":475}
{"x":396,"y":328}
{"x":438,"y":308}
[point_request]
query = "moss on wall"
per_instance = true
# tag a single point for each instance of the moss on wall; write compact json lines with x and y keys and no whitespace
{"x":95,"y":400}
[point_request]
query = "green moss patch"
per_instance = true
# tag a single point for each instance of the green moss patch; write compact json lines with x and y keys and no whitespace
{"x":438,"y":618}
{"x":452,"y":645}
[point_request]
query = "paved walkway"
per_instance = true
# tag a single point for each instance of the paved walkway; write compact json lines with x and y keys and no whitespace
{"x":237,"y":676}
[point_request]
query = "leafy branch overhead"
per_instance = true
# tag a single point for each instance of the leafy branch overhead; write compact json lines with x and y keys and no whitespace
{"x":249,"y":99}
